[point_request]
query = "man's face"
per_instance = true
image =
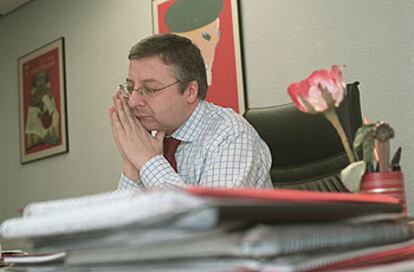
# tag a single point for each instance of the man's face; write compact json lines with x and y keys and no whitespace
{"x":165,"y":110}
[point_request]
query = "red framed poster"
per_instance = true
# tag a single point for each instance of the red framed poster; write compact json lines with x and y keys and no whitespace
{"x":43,"y":123}
{"x":213,"y":25}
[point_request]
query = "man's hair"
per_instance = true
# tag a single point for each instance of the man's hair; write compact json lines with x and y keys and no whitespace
{"x":179,"y":52}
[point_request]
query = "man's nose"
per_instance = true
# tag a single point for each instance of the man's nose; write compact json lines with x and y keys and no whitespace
{"x":136,"y":100}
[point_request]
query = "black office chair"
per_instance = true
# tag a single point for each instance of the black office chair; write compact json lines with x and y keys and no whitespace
{"x":307,"y":152}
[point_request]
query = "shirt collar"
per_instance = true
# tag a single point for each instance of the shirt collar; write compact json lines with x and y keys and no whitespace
{"x":194,"y":125}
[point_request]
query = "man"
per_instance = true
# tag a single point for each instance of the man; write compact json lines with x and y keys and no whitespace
{"x":163,"y":101}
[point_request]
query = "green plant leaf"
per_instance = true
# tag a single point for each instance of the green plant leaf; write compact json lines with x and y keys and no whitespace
{"x":362,"y":134}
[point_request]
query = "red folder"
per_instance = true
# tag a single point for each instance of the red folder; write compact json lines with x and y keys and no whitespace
{"x":282,"y":205}
{"x":292,"y":195}
{"x":381,"y":255}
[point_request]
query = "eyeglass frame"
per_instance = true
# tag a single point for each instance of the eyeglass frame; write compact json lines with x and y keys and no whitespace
{"x":142,"y":91}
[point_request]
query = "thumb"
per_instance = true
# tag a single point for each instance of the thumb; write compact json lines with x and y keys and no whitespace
{"x":159,"y":137}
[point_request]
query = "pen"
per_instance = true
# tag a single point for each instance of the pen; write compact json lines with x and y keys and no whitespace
{"x":395,"y":162}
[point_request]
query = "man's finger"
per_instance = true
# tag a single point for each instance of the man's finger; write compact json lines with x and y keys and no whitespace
{"x":114,"y":99}
{"x":112,"y":111}
{"x":116,"y":124}
{"x":126,"y":108}
{"x":131,"y":116}
{"x":123,"y":119}
{"x":141,"y":127}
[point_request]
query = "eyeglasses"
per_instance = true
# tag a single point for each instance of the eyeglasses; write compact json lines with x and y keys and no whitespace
{"x":128,"y":87}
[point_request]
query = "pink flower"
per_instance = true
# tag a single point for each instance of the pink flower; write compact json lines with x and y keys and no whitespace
{"x":321,"y":91}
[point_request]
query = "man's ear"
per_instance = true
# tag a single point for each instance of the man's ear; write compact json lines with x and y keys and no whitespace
{"x":192,"y":92}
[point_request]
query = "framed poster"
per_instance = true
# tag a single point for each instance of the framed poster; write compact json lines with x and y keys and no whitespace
{"x":213,"y":25}
{"x":43,"y":124}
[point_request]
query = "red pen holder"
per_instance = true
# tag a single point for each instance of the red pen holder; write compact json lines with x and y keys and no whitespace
{"x":385,"y":183}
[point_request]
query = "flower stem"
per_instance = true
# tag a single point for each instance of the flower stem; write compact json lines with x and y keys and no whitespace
{"x":331,"y":115}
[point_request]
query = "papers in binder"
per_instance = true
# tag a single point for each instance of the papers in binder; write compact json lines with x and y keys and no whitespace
{"x":60,"y":205}
{"x":261,"y":241}
{"x":110,"y":211}
{"x":284,"y":230}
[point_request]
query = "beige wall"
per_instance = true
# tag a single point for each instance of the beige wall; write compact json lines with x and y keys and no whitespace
{"x":98,"y":35}
{"x":284,"y":40}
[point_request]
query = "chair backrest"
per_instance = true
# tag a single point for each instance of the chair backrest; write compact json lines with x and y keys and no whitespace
{"x":307,"y":152}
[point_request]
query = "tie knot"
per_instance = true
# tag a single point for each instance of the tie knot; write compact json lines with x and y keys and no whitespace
{"x":170,"y":144}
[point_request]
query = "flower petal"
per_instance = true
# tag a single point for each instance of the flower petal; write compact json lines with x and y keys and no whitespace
{"x":297,"y":91}
{"x":320,"y":91}
{"x":336,"y":75}
{"x":316,"y":99}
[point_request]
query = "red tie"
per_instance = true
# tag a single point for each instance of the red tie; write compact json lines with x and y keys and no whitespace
{"x":170,"y":146}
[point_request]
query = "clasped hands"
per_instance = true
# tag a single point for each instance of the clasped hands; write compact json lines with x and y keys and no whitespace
{"x":134,"y":142}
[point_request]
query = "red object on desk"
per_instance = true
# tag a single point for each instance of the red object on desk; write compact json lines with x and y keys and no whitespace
{"x":288,"y":195}
{"x":284,"y":205}
{"x":394,"y":254}
{"x":385,"y":183}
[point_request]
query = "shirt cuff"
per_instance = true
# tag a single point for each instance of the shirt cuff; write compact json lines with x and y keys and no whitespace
{"x":127,"y":184}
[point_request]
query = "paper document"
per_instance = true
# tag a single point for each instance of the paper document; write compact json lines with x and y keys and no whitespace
{"x":111,"y":211}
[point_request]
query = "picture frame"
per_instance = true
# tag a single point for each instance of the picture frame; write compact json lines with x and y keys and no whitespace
{"x":213,"y":25}
{"x":42,"y":102}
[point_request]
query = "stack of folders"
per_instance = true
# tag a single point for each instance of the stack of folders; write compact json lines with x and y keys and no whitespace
{"x":201,"y":229}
